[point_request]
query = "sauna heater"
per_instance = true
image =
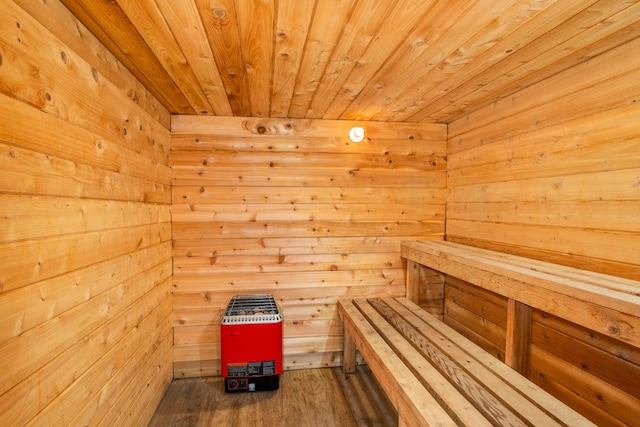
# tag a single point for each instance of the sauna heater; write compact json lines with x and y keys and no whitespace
{"x":251,"y":343}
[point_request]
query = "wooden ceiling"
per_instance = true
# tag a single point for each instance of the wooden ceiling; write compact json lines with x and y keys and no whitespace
{"x":384,"y":60}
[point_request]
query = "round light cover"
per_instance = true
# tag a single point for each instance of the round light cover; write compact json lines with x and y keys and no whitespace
{"x":356,"y":134}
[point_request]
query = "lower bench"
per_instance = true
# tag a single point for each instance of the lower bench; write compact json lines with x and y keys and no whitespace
{"x":434,"y":376}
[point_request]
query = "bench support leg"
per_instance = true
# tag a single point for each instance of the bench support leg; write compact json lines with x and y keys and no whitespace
{"x":518,"y":336}
{"x":413,"y":281}
{"x":430,"y":284}
{"x":349,"y":354}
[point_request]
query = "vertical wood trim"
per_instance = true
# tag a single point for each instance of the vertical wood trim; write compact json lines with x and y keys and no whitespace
{"x":413,"y":281}
{"x":349,"y":357}
{"x":518,"y":336}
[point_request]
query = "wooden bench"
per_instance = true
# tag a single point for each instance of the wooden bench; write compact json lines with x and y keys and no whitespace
{"x":603,"y":303}
{"x":434,"y":376}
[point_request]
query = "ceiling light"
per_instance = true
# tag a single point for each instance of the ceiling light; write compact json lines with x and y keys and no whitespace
{"x":356,"y":134}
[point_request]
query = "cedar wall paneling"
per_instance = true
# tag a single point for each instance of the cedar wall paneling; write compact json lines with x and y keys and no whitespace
{"x":553,"y":172}
{"x":479,"y":314}
{"x":85,"y":230}
{"x":293,"y":208}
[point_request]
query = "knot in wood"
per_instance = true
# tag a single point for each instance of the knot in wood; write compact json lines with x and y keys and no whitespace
{"x":219,"y":13}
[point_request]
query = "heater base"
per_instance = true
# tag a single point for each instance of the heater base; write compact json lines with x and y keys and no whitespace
{"x":240,"y":384}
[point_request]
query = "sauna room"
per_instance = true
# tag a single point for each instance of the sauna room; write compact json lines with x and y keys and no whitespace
{"x":441,"y":198}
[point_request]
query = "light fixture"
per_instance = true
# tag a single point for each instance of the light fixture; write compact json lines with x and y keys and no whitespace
{"x":356,"y":134}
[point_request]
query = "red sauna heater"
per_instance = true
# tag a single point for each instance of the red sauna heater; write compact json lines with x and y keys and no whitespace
{"x":251,"y":343}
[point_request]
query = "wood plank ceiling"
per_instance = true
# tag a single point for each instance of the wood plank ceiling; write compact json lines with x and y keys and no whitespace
{"x":392,"y":60}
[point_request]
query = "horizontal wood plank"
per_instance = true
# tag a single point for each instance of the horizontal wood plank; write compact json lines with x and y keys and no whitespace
{"x":291,"y":177}
{"x":280,"y":229}
{"x":614,"y":362}
{"x":32,"y":173}
{"x":611,"y":245}
{"x":286,"y":246}
{"x":242,"y":126}
{"x":276,"y":160}
{"x":35,"y":260}
{"x":608,"y":215}
{"x":552,"y":372}
{"x":391,"y":280}
{"x":286,"y":263}
{"x":34,"y":217}
{"x":206,"y":194}
{"x":302,"y":212}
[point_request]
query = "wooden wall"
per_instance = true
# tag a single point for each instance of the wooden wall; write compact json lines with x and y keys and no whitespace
{"x":553,"y":172}
{"x":293,"y":208}
{"x":479,"y":314}
{"x":594,"y":373}
{"x":85,"y":232}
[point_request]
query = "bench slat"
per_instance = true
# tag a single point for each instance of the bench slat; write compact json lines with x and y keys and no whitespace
{"x":532,"y":402}
{"x":414,"y":403}
{"x":435,"y":376}
{"x":467,"y":390}
{"x":454,"y":402}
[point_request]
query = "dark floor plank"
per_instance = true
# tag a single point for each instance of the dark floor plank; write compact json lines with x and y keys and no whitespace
{"x":312,"y":397}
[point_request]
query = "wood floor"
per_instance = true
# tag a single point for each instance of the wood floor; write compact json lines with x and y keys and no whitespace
{"x":314,"y":397}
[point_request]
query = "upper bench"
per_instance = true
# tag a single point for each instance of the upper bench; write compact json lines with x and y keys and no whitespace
{"x":603,"y":303}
